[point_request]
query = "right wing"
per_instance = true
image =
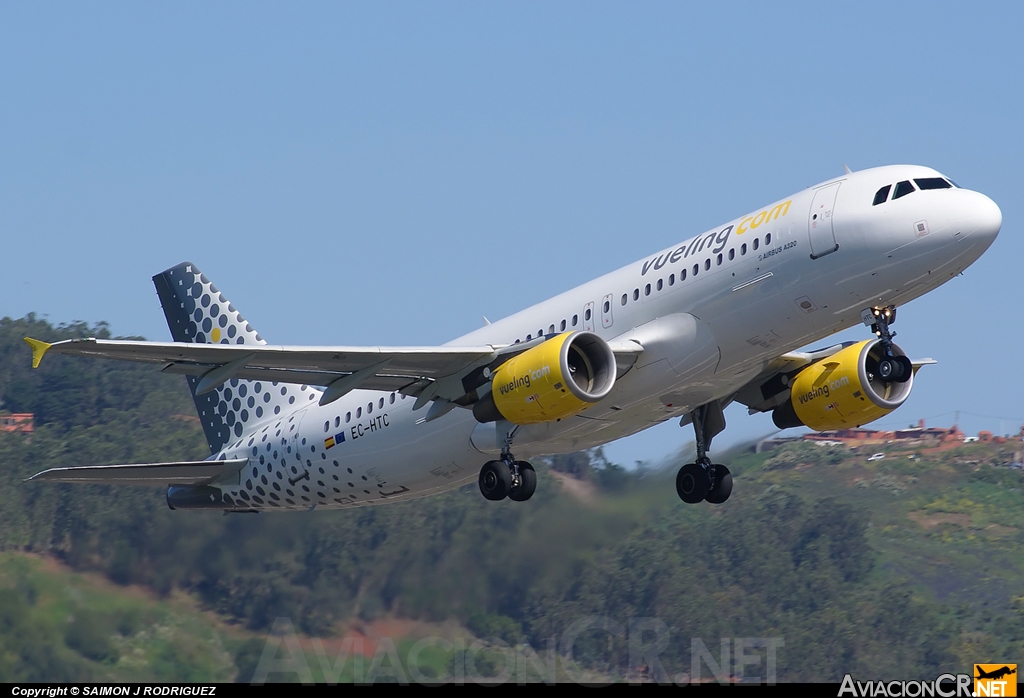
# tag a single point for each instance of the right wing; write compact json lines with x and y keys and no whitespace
{"x":771,"y":387}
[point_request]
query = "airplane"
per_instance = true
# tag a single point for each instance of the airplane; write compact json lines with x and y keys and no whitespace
{"x":995,"y":674}
{"x":679,"y":334}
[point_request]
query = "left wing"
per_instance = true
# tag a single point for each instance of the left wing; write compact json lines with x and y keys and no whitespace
{"x":448,"y":372}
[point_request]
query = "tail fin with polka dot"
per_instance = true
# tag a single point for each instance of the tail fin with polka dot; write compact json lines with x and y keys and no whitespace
{"x":197,"y":312}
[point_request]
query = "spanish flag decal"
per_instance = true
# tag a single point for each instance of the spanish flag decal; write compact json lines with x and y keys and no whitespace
{"x":332,"y":441}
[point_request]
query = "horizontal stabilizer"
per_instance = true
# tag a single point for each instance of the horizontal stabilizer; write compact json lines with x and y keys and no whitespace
{"x":155,"y":474}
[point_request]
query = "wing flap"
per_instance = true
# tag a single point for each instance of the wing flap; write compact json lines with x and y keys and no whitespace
{"x":149,"y":474}
{"x":375,"y":382}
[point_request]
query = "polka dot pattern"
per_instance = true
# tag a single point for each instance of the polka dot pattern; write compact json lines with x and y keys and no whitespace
{"x":198,"y":312}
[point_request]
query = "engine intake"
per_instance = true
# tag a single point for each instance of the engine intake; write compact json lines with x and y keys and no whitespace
{"x":843,"y":390}
{"x":558,"y":378}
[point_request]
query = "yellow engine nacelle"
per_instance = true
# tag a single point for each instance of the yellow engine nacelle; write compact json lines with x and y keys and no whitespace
{"x":843,"y":390}
{"x":555,"y":379}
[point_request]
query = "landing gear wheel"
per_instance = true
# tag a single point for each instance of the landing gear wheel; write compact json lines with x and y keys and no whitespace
{"x":722,"y":487}
{"x":889,"y":369}
{"x":895,"y":369}
{"x":906,"y":369}
{"x":527,"y":484}
{"x":495,"y":480}
{"x":692,"y":483}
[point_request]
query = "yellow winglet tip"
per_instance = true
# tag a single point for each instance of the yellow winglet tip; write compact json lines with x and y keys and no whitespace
{"x":38,"y":350}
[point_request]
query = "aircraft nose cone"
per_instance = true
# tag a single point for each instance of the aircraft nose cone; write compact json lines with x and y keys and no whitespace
{"x":986,"y":216}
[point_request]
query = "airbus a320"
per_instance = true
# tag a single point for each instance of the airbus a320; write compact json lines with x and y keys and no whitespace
{"x":679,"y":334}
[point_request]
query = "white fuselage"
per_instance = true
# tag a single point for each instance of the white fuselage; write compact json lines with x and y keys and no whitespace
{"x":788,"y":274}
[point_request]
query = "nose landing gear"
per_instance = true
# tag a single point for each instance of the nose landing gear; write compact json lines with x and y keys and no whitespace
{"x":703,"y":480}
{"x":891,"y":368}
{"x":508,"y":477}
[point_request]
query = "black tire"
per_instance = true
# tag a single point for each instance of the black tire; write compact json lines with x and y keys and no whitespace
{"x":692,"y":483}
{"x":495,"y":480}
{"x":722,"y":488}
{"x":906,"y":369}
{"x":527,"y":483}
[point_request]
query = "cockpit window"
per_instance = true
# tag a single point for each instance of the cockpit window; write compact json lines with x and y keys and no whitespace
{"x":881,"y":195}
{"x":902,"y":189}
{"x":932,"y":183}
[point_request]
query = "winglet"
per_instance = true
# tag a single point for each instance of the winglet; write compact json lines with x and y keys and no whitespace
{"x":38,"y":349}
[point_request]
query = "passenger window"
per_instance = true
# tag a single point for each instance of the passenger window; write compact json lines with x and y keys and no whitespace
{"x":391,"y":400}
{"x":624,"y":297}
{"x":671,"y":279}
{"x":932,"y":183}
{"x":732,"y":254}
{"x":327,"y":426}
{"x":902,"y":189}
{"x":660,"y":284}
{"x":369,"y":408}
{"x":768,"y":239}
{"x":561,"y":327}
{"x":551,"y":328}
{"x":647,"y":290}
{"x":881,"y":195}
{"x":337,"y":421}
{"x":380,"y":403}
{"x":636,"y":294}
{"x":696,"y":268}
{"x":348,"y":417}
{"x":529,"y":337}
{"x":743,"y":249}
{"x":607,"y":306}
{"x":718,"y":261}
{"x":707,"y":264}
{"x":586,"y":316}
{"x":359,"y":412}
{"x":575,"y":318}
{"x":682,"y":275}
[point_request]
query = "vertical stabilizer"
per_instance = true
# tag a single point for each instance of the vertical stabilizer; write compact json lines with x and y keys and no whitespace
{"x":199,"y":313}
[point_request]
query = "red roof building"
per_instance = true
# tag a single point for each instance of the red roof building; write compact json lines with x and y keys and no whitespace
{"x":21,"y":423}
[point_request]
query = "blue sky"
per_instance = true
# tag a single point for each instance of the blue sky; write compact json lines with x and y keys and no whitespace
{"x":387,"y":173}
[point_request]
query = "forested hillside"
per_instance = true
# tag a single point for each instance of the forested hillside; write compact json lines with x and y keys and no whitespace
{"x":815,"y":546}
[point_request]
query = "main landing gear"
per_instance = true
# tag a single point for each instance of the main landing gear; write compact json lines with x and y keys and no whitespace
{"x":891,"y":368}
{"x":508,"y":477}
{"x":702,"y":480}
